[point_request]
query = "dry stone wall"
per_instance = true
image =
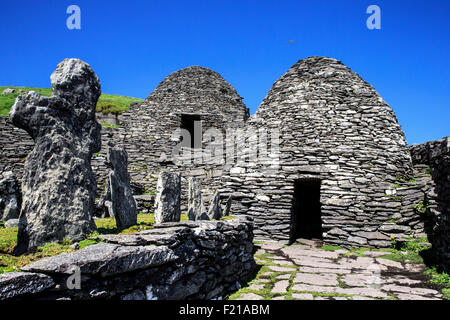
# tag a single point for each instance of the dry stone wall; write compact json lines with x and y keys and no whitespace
{"x":435,"y":157}
{"x":192,"y":260}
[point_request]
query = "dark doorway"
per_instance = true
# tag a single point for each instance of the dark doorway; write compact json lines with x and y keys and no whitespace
{"x":306,"y":220}
{"x":189,"y":122}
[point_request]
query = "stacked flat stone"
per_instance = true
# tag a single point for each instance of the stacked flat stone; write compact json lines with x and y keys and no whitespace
{"x":334,"y":127}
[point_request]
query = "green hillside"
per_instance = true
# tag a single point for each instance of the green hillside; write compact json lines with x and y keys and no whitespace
{"x":107,"y":103}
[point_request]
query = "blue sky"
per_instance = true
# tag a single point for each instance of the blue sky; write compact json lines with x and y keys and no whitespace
{"x":133,"y":45}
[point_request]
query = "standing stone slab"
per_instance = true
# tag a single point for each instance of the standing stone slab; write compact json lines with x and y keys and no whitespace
{"x":168,"y":197}
{"x":228,"y":206}
{"x":196,"y":208}
{"x":58,"y":184}
{"x":10,"y":197}
{"x":123,"y":204}
{"x":215,"y":210}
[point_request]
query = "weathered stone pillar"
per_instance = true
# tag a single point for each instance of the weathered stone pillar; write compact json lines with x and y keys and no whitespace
{"x":215,"y":210}
{"x":196,"y":208}
{"x":228,"y":206}
{"x":168,"y":197}
{"x":123,"y":204}
{"x":58,"y":186}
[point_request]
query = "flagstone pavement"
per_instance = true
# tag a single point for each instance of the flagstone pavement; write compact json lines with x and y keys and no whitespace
{"x":303,"y":271}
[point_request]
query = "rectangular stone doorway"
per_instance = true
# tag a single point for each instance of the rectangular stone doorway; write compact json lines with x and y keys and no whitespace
{"x":306,"y":222}
{"x":192,"y":123}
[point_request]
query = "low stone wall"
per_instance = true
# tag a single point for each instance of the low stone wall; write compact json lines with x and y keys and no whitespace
{"x":191,"y":260}
{"x":15,"y":144}
{"x":436,"y":155}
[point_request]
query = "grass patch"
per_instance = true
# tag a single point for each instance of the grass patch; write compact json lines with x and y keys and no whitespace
{"x":358,"y":252}
{"x":7,"y":100}
{"x":328,"y":247}
{"x":441,"y":279}
{"x":409,"y":251}
{"x":9,"y":263}
{"x":115,"y":104}
{"x":109,"y":125}
{"x":8,"y":239}
{"x":107,"y":103}
{"x":144,"y":222}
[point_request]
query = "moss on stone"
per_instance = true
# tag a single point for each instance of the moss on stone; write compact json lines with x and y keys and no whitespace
{"x":329,"y":247}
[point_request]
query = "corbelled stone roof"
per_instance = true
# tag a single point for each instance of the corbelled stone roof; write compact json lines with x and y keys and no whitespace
{"x":192,"y":84}
{"x":321,"y":102}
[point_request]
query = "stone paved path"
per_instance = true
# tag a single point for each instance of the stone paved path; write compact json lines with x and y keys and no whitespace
{"x":304,"y":271}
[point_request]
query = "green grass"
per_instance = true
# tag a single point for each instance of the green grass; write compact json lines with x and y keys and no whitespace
{"x":441,"y":279}
{"x":109,"y":125}
{"x":7,"y":100}
{"x":328,"y":247}
{"x":9,"y":262}
{"x":107,"y":103}
{"x":8,"y":238}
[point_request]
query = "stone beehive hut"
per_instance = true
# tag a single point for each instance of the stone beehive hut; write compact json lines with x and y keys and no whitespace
{"x":194,"y":98}
{"x":341,"y":151}
{"x":341,"y":159}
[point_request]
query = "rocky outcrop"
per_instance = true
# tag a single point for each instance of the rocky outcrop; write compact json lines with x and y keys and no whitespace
{"x":168,"y":193}
{"x":191,"y":260}
{"x":123,"y":206}
{"x":9,"y":91}
{"x":10,"y":197}
{"x":196,"y":208}
{"x":58,"y":185}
